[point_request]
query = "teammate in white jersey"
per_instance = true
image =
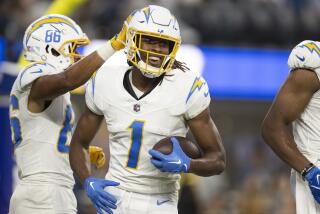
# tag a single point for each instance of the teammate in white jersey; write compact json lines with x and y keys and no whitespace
{"x":152,"y":98}
{"x":298,"y":104}
{"x":41,"y":113}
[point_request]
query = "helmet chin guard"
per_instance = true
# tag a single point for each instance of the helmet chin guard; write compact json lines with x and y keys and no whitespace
{"x":146,"y":72}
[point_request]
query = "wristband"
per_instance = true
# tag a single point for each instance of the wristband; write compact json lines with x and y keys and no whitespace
{"x":306,"y":169}
{"x":106,"y":51}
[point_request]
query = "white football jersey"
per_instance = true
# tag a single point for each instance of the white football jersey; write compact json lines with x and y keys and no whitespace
{"x":306,"y":129}
{"x":136,"y":125}
{"x":41,"y":139}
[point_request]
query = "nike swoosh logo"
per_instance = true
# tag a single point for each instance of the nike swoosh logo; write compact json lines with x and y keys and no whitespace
{"x":91,"y":184}
{"x":175,"y":162}
{"x":301,"y":58}
{"x":162,"y":202}
{"x":37,"y":72}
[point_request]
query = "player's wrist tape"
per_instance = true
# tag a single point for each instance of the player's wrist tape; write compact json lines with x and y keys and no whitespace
{"x":306,"y":169}
{"x":106,"y":51}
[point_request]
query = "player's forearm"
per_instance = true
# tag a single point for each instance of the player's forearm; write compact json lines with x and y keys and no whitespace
{"x":51,"y":86}
{"x":79,"y":161}
{"x":80,"y":72}
{"x":278,"y":136}
{"x":212,"y":163}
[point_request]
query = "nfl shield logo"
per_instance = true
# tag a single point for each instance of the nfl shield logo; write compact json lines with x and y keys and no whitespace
{"x":136,"y":107}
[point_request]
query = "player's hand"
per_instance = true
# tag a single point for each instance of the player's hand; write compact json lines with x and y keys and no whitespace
{"x":177,"y":161}
{"x":101,"y":199}
{"x":97,"y":156}
{"x":313,"y":178}
{"x":118,"y":42}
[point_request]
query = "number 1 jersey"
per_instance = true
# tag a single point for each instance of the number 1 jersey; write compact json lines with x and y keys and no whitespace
{"x":135,"y":125}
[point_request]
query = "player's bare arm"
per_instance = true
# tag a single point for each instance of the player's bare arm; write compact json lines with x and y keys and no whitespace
{"x":51,"y":86}
{"x":290,"y":102}
{"x":206,"y":134}
{"x":86,"y":129}
{"x":48,"y":87}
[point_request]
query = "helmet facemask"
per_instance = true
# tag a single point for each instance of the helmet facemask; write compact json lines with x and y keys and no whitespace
{"x":141,"y":57}
{"x":69,"y":48}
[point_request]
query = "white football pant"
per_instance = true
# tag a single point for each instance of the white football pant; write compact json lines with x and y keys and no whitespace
{"x":137,"y":203}
{"x":42,"y":199}
{"x":305,"y":203}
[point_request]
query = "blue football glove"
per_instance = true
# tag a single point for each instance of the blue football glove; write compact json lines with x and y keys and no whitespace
{"x":177,"y":161}
{"x":313,"y":178}
{"x":101,"y":199}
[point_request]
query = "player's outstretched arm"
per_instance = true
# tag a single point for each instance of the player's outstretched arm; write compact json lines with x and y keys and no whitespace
{"x":50,"y":86}
{"x":87,"y":127}
{"x":213,"y":161}
{"x":290,"y":102}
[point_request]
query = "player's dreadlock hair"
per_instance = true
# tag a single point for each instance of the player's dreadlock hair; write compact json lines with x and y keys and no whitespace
{"x":180,"y":65}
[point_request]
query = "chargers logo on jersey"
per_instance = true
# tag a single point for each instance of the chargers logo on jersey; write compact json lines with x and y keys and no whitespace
{"x":197,"y":84}
{"x":312,"y":47}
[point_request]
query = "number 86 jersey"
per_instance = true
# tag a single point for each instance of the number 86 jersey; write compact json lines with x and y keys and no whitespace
{"x":136,"y":124}
{"x":41,"y":140}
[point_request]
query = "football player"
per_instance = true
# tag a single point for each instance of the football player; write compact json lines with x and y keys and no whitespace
{"x":292,"y":125}
{"x":152,"y":98}
{"x":41,"y":114}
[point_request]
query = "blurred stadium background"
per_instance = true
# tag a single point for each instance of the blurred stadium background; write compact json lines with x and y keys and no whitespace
{"x":239,"y":46}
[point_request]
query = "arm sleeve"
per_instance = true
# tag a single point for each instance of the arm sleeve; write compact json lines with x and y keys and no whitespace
{"x":306,"y":55}
{"x":92,"y":97}
{"x":198,"y":98}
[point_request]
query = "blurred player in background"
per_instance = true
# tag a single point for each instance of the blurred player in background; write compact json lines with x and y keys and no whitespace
{"x":41,"y":114}
{"x":154,"y":97}
{"x":298,"y":104}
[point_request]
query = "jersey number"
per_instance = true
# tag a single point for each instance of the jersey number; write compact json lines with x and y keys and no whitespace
{"x":136,"y":136}
{"x":52,"y":35}
{"x":65,"y":130}
{"x":14,"y":121}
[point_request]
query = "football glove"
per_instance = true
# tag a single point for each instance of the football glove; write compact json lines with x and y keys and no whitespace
{"x":313,"y":178}
{"x":101,"y":199}
{"x":176,"y":162}
{"x":118,"y":42}
{"x":97,"y":156}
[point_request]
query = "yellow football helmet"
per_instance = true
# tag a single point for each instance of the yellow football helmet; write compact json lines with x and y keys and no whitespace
{"x":157,"y":22}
